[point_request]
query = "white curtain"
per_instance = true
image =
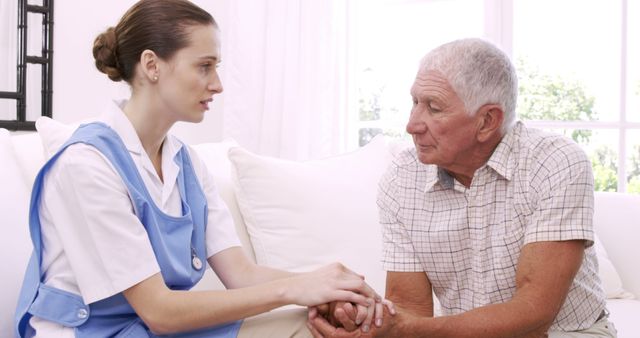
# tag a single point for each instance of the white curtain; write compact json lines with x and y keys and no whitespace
{"x":285,"y":80}
{"x":8,"y":46}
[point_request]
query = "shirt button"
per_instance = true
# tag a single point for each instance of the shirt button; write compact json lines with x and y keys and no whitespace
{"x":82,"y":313}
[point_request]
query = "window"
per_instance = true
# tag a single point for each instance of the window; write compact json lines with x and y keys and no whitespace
{"x":26,"y":50}
{"x":586,"y":74}
{"x":576,"y":77}
{"x":389,"y":38}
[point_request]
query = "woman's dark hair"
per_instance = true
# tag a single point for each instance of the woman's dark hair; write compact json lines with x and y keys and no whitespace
{"x":157,"y":25}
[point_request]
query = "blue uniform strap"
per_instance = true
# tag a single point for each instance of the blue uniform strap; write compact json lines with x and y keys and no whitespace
{"x":59,"y":306}
{"x":85,"y":133}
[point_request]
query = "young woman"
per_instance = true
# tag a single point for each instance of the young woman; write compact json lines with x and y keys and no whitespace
{"x":124,"y":216}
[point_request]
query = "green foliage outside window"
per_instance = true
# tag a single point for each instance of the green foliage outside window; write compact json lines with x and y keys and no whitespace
{"x":554,"y":98}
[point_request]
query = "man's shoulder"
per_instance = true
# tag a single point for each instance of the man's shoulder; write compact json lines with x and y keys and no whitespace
{"x":547,"y":147}
{"x":548,"y":161}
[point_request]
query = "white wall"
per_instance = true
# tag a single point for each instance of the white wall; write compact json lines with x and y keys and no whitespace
{"x":80,"y":90}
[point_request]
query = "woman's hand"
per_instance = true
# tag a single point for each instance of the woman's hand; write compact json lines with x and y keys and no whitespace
{"x":333,"y":282}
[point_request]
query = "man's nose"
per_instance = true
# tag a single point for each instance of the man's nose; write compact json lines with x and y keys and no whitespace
{"x":415,"y":125}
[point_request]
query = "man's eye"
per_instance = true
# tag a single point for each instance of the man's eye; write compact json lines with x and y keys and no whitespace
{"x":434,"y":108}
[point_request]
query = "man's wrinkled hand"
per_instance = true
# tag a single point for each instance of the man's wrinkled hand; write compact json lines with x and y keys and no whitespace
{"x":344,"y":319}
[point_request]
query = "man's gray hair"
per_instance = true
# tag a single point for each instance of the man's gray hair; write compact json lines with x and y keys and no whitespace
{"x":480,"y":74}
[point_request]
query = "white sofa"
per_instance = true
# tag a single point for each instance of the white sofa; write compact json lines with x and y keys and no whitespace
{"x":299,"y":215}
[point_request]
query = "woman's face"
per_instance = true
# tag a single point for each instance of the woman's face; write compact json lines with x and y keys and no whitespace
{"x":188,"y":81}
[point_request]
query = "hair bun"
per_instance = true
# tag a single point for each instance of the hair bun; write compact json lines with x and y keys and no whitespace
{"x":104,"y":52}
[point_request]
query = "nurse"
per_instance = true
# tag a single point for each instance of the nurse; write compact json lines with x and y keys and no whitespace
{"x":124,"y":217}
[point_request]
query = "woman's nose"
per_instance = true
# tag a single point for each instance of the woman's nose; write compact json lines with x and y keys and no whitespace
{"x":215,"y":85}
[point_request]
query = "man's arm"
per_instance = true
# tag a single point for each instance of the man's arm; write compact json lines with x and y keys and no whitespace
{"x":544,"y":275}
{"x":411,"y":291}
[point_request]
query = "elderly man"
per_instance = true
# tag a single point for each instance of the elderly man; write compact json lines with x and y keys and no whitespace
{"x":492,"y":217}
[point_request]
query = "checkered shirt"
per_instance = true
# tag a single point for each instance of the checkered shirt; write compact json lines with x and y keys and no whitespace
{"x":535,"y":187}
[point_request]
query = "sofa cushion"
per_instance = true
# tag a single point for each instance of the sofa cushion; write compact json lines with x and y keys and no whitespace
{"x":302,"y":215}
{"x":214,"y":156}
{"x":53,"y":134}
{"x":624,"y":314}
{"x":30,"y":155}
{"x":611,"y":281}
{"x":15,"y":243}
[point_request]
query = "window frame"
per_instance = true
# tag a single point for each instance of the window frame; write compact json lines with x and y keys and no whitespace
{"x":498,"y":27}
{"x":45,"y":60}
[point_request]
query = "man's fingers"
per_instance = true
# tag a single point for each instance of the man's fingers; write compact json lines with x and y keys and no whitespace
{"x":313,"y":331}
{"x":322,"y":327}
{"x":323,"y":309}
{"x":390,"y":306}
{"x":379,"y":314}
{"x":312,"y":313}
{"x":350,"y":310}
{"x":344,"y":320}
{"x":366,"y":325}
{"x":361,"y":315}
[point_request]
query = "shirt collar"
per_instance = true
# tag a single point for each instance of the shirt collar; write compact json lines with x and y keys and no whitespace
{"x":114,"y":117}
{"x":502,"y":161}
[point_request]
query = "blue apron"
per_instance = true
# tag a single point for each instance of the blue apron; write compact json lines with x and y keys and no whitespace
{"x":178,"y":244}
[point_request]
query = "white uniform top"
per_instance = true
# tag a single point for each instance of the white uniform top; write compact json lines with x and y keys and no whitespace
{"x":93,"y":243}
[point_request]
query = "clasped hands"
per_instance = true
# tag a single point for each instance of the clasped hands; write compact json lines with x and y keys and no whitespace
{"x":344,"y":319}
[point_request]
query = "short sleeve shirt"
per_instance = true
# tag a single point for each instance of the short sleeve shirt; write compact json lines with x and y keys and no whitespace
{"x":93,"y":243}
{"x":535,"y":187}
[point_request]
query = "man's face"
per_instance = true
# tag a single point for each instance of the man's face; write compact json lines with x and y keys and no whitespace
{"x":443,"y":132}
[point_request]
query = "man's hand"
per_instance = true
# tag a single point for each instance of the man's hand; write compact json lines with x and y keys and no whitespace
{"x":321,"y":328}
{"x":349,"y":320}
{"x":340,"y":314}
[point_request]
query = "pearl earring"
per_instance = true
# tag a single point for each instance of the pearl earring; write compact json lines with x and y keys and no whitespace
{"x":155,"y":78}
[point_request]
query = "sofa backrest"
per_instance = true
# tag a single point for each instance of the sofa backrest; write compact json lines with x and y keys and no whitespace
{"x":15,"y":243}
{"x":617,"y":224}
{"x":616,"y":218}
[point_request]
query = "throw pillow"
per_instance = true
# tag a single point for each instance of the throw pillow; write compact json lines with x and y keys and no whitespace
{"x":302,"y":215}
{"x":214,"y":156}
{"x":29,"y":153}
{"x":53,"y":134}
{"x":611,"y":281}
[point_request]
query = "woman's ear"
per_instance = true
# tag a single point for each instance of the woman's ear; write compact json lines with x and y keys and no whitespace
{"x":150,"y":65}
{"x":490,"y":118}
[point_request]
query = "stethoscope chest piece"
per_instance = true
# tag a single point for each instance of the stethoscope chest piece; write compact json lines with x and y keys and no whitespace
{"x":196,"y":262}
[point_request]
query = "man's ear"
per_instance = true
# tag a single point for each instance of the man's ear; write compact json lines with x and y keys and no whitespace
{"x":149,"y":65}
{"x":490,"y":118}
